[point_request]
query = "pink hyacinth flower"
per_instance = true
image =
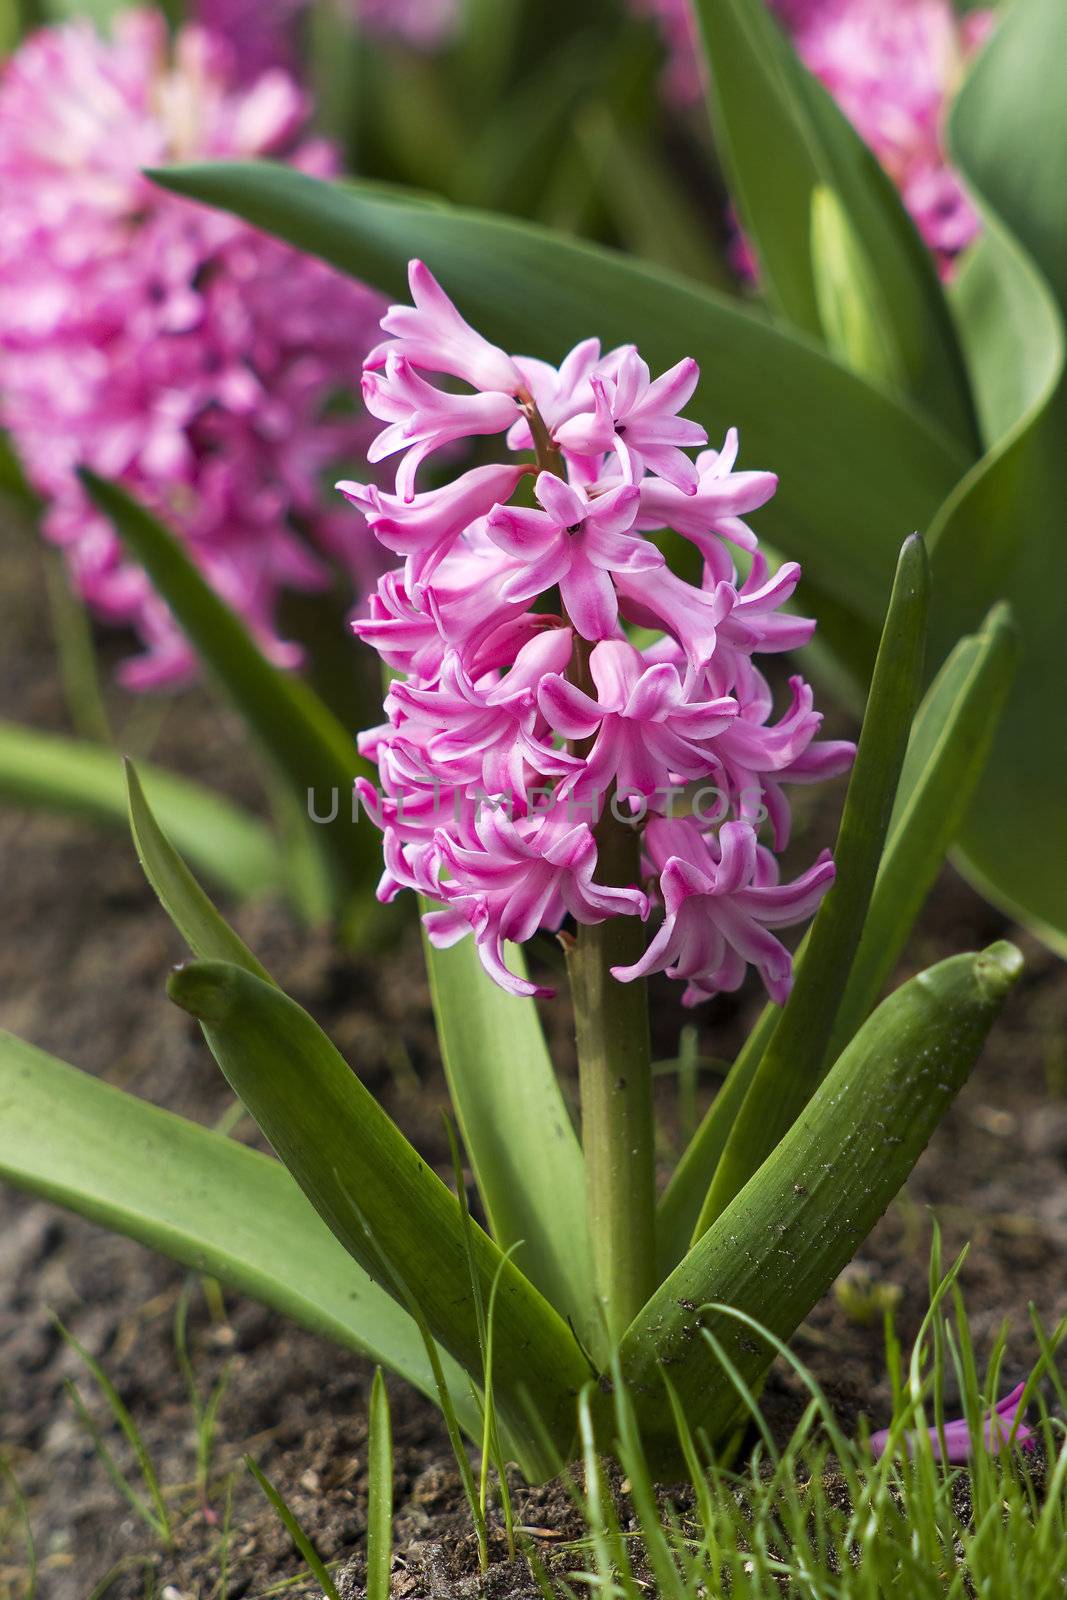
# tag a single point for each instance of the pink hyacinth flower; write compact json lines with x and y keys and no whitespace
{"x":722,"y":498}
{"x":646,"y":728}
{"x":637,"y":418}
{"x":425,"y":526}
{"x":434,"y":336}
{"x":1001,"y":1426}
{"x":424,"y":418}
{"x":495,"y":751}
{"x":721,"y":899}
{"x":523,"y":875}
{"x":577,"y":543}
{"x":491,"y":731}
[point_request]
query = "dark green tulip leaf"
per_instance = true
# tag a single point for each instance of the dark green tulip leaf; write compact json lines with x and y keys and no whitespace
{"x":82,"y":779}
{"x":800,"y":1218}
{"x":836,"y":441}
{"x":205,"y":1200}
{"x":344,"y":1151}
{"x":304,"y":741}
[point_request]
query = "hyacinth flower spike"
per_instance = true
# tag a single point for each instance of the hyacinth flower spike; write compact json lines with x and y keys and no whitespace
{"x":530,"y":759}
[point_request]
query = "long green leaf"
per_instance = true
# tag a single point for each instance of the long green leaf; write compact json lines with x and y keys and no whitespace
{"x":188,"y":907}
{"x":307,"y":745}
{"x":783,"y":138}
{"x":949,"y":743}
{"x":516,"y":1128}
{"x":783,"y":1239}
{"x":1001,"y":535}
{"x":205,"y":1200}
{"x":796,"y":1053}
{"x":77,"y":778}
{"x":844,"y":499}
{"x":339,"y":1144}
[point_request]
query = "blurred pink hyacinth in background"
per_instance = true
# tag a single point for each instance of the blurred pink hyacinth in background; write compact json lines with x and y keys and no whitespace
{"x":263,"y":32}
{"x":164,"y":344}
{"x":892,"y":66}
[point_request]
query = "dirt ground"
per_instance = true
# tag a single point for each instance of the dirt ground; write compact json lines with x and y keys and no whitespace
{"x":84,"y":953}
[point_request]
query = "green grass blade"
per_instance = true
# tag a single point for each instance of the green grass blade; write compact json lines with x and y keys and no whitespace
{"x":539,"y":292}
{"x":380,"y":1492}
{"x":200,"y":1198}
{"x":780,"y":1243}
{"x":80,"y":779}
{"x":290,"y":723}
{"x":793,"y":1061}
{"x":315,"y":1564}
{"x":516,"y":1128}
{"x":334,"y":1138}
{"x":159,"y":1518}
{"x":32,"y":1563}
{"x":190,"y":910}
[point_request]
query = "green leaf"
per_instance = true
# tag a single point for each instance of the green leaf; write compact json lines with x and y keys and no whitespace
{"x":793,"y":1061}
{"x":203,"y":1199}
{"x":1009,"y":127}
{"x":855,"y":324}
{"x":340,"y":1145}
{"x":307,"y":745}
{"x":188,"y":907}
{"x":1001,"y":535}
{"x":80,"y":779}
{"x":950,"y":740}
{"x":540,"y":293}
{"x":782,"y":138}
{"x":516,"y":1127}
{"x":800,"y":1218}
{"x":950,"y":743}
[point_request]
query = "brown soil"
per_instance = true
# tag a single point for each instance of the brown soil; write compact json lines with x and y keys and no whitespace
{"x":83,"y":957}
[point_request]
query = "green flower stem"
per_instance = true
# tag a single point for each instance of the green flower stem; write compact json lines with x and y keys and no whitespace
{"x":614,"y":1049}
{"x":615,"y":1072}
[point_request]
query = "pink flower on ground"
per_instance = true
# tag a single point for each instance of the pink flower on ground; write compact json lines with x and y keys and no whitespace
{"x":1001,"y":1426}
{"x":721,"y":898}
{"x":164,"y":344}
{"x":519,"y":733}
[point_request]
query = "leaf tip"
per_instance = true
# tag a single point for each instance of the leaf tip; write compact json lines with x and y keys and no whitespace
{"x":998,"y":969}
{"x":200,"y":989}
